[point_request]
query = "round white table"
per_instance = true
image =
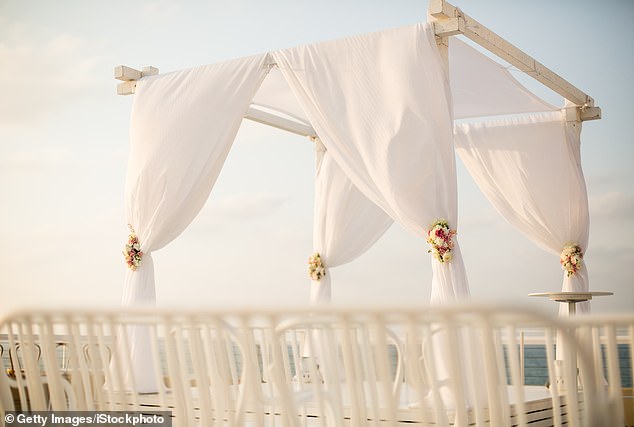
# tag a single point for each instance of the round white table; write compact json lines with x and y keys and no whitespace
{"x":572,"y":298}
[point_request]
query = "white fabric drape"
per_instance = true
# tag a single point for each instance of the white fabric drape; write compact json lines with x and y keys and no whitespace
{"x":380,"y":104}
{"x":182,"y":127}
{"x":482,"y":87}
{"x":479,"y":85}
{"x":346,"y":223}
{"x":530,"y":170}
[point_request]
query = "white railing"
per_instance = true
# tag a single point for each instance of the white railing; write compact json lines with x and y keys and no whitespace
{"x":318,"y":366}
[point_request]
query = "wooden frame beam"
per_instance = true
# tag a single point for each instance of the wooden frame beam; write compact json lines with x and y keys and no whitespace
{"x":280,"y":122}
{"x":129,"y":77}
{"x":450,"y":20}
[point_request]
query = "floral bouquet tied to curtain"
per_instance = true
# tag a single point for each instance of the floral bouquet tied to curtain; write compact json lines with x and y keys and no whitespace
{"x":132,"y":252}
{"x":571,"y":258}
{"x":316,"y":268}
{"x":440,"y":237}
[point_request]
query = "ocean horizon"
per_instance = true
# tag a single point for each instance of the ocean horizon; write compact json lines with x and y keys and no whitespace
{"x":535,"y":365}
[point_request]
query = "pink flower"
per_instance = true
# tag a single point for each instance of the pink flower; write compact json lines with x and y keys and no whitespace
{"x":439,"y":237}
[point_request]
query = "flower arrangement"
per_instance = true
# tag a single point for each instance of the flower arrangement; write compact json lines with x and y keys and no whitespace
{"x":439,"y":237}
{"x":316,"y":268}
{"x":571,"y":258}
{"x":132,"y":253}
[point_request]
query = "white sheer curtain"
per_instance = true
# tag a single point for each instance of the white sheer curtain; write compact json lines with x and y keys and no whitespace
{"x":482,"y":87}
{"x":530,"y":170}
{"x":182,"y":127}
{"x":346,"y":223}
{"x":380,"y":104}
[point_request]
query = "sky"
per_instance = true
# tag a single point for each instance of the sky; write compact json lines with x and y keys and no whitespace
{"x":64,"y":144}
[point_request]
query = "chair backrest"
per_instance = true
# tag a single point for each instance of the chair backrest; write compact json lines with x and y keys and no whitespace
{"x":610,"y":339}
{"x":451,"y":365}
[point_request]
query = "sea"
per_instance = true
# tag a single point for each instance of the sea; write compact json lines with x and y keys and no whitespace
{"x":535,"y":367}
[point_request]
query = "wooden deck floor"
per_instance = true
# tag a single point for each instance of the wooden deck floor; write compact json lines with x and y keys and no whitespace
{"x":538,"y":410}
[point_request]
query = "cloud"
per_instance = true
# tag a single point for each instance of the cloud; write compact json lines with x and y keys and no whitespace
{"x":240,"y":207}
{"x":615,"y":252}
{"x":613,"y":204}
{"x":250,"y":205}
{"x":480,"y":220}
{"x":599,"y":181}
{"x":40,"y":76}
{"x":162,"y":10}
{"x":37,"y":159}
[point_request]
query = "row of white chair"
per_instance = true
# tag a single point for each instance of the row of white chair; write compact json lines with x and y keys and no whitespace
{"x":455,"y":365}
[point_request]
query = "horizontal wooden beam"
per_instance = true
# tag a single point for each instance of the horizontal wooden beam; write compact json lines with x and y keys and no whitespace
{"x":129,"y":76}
{"x":149,"y":71}
{"x":280,"y":122}
{"x":589,"y":113}
{"x":450,"y":20}
{"x":123,"y":73}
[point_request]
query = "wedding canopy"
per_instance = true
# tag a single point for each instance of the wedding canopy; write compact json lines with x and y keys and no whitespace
{"x":382,"y":107}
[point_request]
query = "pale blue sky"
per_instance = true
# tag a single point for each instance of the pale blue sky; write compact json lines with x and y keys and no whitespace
{"x":64,"y":143}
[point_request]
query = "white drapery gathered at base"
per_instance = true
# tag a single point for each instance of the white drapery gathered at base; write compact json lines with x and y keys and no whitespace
{"x":346,"y":223}
{"x":181,"y":129}
{"x":381,"y":105}
{"x":530,"y":170}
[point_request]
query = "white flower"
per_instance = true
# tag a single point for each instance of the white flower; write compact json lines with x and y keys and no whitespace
{"x":571,"y":258}
{"x":316,"y":269}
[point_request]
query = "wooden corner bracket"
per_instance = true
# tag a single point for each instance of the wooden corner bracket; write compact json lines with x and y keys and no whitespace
{"x":129,"y":77}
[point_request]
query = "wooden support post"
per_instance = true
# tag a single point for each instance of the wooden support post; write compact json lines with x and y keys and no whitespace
{"x":443,"y":48}
{"x":450,"y":20}
{"x":126,"y":88}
